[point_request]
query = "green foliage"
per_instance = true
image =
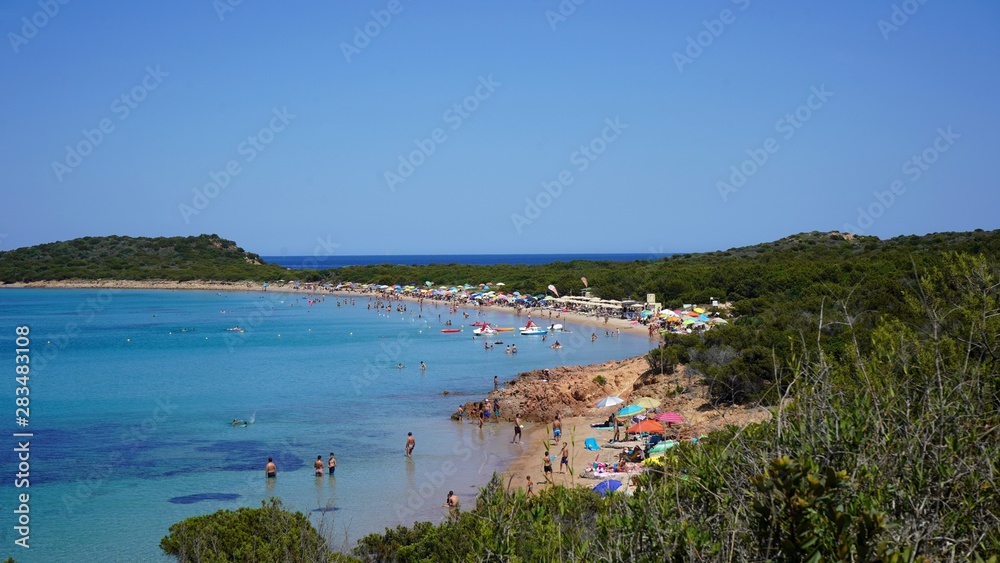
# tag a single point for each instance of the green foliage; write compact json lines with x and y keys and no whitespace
{"x":600,"y":380}
{"x":800,"y":511}
{"x":268,"y":533}
{"x":205,"y":257}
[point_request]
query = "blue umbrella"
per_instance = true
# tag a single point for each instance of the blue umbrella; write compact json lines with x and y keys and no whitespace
{"x":605,"y":487}
{"x":630,"y":410}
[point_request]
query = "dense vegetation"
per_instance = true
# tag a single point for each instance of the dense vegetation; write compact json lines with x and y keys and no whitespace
{"x":268,"y":533}
{"x":205,"y":257}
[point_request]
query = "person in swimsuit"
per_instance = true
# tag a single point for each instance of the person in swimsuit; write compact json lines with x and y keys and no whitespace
{"x":564,"y":455}
{"x":547,"y":467}
{"x":332,"y":464}
{"x":318,"y":464}
{"x":531,"y":486}
{"x":517,"y":430}
{"x":271,"y":470}
{"x":410,"y":444}
{"x":556,"y":428}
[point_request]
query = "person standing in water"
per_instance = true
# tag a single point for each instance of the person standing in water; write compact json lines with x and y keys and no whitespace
{"x":270,"y":470}
{"x":332,"y":464}
{"x":318,"y":465}
{"x":410,"y":444}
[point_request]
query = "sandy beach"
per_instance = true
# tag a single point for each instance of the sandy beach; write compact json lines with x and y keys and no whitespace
{"x":572,"y":392}
{"x":539,"y":314}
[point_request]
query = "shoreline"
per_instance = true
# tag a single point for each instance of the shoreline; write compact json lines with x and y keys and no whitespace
{"x":256,"y":287}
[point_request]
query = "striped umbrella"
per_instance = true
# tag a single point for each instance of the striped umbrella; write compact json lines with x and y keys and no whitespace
{"x":670,"y":417}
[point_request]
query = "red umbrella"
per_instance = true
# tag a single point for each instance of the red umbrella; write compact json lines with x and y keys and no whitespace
{"x":670,"y":417}
{"x":647,"y":425}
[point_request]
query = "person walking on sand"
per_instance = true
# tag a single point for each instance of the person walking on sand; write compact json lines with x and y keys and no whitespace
{"x":318,"y":465}
{"x":564,"y":457}
{"x":556,"y":428}
{"x":496,"y":383}
{"x":270,"y":470}
{"x":517,"y":430}
{"x":410,"y":444}
{"x":531,"y":485}
{"x":332,"y":464}
{"x":547,"y":467}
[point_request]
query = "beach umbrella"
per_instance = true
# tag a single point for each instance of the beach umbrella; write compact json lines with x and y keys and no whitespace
{"x":699,"y":310}
{"x":669,"y":417}
{"x":663,"y":446}
{"x":610,"y":401}
{"x":630,"y":410}
{"x":605,"y":487}
{"x":647,"y":403}
{"x":647,"y":425}
{"x":500,"y":284}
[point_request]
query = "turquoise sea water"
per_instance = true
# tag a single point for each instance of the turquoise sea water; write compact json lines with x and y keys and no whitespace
{"x":132,"y":394}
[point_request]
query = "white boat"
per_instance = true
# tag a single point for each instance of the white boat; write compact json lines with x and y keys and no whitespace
{"x":531,"y":328}
{"x":485,"y":330}
{"x":556,"y":328}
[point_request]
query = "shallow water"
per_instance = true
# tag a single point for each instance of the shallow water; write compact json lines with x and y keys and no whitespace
{"x":132,"y":394}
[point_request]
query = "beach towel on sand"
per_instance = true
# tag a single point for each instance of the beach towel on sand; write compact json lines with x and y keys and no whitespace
{"x":591,"y":444}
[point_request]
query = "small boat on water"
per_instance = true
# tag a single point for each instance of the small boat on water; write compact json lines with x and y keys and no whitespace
{"x":504,"y":328}
{"x":556,"y":327}
{"x":531,"y":329}
{"x":485,"y":330}
{"x":451,"y":330}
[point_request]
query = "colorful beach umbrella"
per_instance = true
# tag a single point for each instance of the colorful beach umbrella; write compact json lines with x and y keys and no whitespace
{"x":669,"y":417}
{"x":663,"y":446}
{"x":631,"y":410}
{"x":650,"y":426}
{"x":605,"y":487}
{"x":647,"y":402}
{"x":610,"y":401}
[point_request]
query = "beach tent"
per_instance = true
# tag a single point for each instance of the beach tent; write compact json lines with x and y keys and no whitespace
{"x":605,"y":487}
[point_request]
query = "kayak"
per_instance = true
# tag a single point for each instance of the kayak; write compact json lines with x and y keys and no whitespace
{"x":451,"y":330}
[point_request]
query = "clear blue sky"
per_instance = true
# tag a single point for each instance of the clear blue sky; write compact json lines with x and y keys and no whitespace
{"x":698,"y":92}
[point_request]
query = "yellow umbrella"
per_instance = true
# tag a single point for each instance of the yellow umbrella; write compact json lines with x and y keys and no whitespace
{"x":699,"y":310}
{"x":647,"y":402}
